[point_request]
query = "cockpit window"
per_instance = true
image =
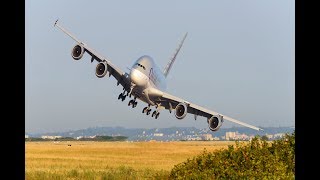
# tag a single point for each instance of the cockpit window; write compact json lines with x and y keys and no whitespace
{"x":141,"y":66}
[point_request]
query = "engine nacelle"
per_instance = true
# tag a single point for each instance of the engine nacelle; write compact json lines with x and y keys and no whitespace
{"x":101,"y":69}
{"x":77,"y":52}
{"x":215,"y":122}
{"x":181,"y":110}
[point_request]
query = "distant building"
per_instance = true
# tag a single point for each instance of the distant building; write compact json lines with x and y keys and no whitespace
{"x":26,"y":136}
{"x":207,"y":137}
{"x":195,"y":139}
{"x":278,"y":135}
{"x":158,"y":134}
{"x":241,"y":137}
{"x":50,"y":137}
{"x":230,"y":135}
{"x":269,"y":136}
{"x":216,"y":138}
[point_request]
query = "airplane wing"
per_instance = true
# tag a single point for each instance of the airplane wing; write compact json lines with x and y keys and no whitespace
{"x":121,"y":77}
{"x":170,"y":102}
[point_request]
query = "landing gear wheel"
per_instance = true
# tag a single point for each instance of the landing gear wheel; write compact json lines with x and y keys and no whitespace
{"x":133,"y":103}
{"x":144,"y":109}
{"x":123,"y":98}
{"x":148,"y":111}
{"x":157,"y":115}
{"x":120,"y":96}
{"x":154,"y":113}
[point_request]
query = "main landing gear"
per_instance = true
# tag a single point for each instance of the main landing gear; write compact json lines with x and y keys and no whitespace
{"x":133,"y":102}
{"x":122,"y":96}
{"x":155,"y":114}
{"x":147,"y":110}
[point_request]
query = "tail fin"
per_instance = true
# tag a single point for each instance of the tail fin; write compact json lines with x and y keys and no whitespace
{"x":170,"y":63}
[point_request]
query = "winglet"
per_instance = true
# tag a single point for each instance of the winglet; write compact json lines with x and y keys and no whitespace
{"x":56,"y":22}
{"x":65,"y":31}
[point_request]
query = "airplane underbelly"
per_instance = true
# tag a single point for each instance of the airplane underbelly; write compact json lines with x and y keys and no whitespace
{"x":148,"y":95}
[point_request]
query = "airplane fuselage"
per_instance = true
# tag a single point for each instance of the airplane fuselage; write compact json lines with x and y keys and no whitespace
{"x":146,"y":78}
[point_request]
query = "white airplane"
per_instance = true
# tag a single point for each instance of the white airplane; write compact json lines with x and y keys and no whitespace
{"x":148,"y":83}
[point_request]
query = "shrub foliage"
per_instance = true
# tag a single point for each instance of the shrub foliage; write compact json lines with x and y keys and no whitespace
{"x":257,"y":159}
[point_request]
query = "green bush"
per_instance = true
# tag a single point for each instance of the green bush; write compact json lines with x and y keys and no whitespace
{"x":257,"y":159}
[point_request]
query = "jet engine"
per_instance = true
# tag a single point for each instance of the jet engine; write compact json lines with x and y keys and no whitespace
{"x":181,"y":110}
{"x":101,"y":69}
{"x":77,"y":52}
{"x":215,"y":122}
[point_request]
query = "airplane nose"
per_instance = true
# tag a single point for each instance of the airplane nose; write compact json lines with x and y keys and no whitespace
{"x":138,"y":78}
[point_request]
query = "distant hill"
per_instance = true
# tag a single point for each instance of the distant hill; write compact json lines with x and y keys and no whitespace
{"x":172,"y":133}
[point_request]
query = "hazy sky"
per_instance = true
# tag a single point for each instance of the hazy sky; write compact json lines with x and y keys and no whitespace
{"x":238,"y":60}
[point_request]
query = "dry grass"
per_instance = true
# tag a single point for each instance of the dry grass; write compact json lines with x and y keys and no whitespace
{"x":104,"y":160}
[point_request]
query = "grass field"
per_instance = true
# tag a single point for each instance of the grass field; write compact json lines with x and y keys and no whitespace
{"x":110,"y":160}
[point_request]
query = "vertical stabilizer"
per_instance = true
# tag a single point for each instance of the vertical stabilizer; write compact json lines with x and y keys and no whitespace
{"x":170,"y":63}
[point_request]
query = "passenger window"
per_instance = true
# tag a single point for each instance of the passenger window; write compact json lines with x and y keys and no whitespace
{"x":141,"y":66}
